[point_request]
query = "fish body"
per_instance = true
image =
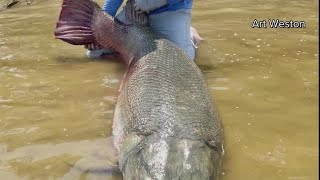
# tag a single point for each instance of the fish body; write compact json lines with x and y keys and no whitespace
{"x":165,"y":125}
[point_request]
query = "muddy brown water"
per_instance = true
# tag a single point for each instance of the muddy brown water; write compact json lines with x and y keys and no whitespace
{"x":56,"y":106}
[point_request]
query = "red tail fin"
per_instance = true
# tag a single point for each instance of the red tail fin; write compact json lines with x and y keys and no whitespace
{"x":75,"y":21}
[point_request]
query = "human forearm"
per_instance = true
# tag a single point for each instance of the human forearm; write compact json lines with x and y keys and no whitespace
{"x":112,"y":6}
{"x":149,"y":5}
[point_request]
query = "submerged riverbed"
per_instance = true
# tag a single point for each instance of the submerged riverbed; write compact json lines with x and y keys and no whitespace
{"x":56,"y":106}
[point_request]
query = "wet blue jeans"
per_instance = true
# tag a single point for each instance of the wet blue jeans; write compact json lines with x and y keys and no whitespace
{"x":174,"y":25}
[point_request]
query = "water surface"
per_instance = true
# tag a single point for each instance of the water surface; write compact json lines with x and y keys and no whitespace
{"x":56,"y":106}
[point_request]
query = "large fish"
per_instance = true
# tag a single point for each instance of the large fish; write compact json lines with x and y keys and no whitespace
{"x":165,"y":123}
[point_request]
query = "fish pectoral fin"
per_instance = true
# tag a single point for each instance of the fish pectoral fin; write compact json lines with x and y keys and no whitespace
{"x":99,"y":161}
{"x":92,"y":166}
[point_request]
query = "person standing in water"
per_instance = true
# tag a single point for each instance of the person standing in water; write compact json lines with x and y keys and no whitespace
{"x":171,"y":18}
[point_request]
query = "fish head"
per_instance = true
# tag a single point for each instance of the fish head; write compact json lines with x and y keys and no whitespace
{"x":156,"y":157}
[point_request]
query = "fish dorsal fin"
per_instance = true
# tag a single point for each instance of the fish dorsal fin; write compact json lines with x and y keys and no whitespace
{"x":132,"y":17}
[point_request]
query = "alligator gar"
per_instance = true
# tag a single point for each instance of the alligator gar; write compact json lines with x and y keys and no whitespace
{"x":165,"y":124}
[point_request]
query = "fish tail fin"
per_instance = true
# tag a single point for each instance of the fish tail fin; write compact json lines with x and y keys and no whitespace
{"x":75,"y":22}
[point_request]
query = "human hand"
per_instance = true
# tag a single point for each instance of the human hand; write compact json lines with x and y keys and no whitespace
{"x":142,"y":6}
{"x":93,"y":46}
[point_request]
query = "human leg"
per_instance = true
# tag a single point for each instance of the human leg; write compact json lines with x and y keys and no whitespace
{"x":175,"y":26}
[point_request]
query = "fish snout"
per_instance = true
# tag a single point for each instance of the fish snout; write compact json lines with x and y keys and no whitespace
{"x":153,"y":157}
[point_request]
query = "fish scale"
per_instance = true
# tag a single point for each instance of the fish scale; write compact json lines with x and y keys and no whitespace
{"x":174,"y":81}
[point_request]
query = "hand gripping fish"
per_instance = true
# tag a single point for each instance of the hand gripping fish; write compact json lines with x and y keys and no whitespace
{"x":165,"y":125}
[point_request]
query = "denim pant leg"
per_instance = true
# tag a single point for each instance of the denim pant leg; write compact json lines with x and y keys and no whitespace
{"x":175,"y":26}
{"x":121,"y":16}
